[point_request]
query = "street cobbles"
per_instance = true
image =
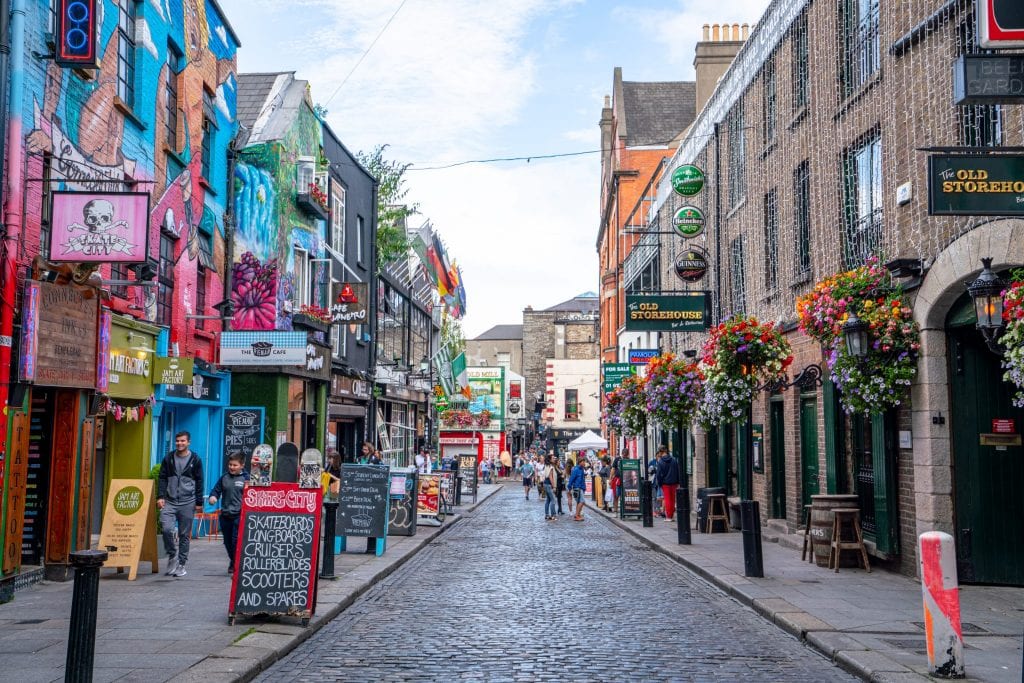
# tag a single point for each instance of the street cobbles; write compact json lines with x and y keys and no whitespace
{"x":507,"y":596}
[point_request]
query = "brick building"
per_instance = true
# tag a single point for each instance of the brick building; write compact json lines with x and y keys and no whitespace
{"x":813,"y":145}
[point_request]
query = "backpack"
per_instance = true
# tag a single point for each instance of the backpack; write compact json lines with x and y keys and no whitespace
{"x":528,"y":470}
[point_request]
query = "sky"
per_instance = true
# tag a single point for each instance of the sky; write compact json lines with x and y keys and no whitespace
{"x":450,"y":81}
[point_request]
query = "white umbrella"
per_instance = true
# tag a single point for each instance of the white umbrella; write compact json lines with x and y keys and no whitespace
{"x":587,"y":441}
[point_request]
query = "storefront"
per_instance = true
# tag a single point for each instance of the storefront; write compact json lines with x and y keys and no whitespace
{"x":346,"y":426}
{"x":454,"y":444}
{"x":50,"y":470}
{"x":401,"y":423}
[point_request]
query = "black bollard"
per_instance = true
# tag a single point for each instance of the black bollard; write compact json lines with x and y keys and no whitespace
{"x":327,"y":548}
{"x":82,"y":630}
{"x":683,"y":512}
{"x":750,"y":518}
{"x":458,"y":490}
{"x":647,"y":502}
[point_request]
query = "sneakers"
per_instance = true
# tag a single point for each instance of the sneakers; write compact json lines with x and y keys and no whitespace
{"x":171,"y":566}
{"x":179,"y":571}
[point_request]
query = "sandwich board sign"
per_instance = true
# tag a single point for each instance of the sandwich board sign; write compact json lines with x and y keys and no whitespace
{"x":129,"y":526}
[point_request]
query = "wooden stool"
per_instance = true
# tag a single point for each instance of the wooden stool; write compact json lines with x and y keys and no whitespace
{"x":844,"y":516}
{"x":718,"y":510}
{"x":807,"y":549}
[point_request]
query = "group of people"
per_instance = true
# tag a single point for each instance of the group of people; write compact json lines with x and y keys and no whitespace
{"x":553,"y":478}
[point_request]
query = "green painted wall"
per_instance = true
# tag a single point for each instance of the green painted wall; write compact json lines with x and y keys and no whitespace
{"x":269,"y":391}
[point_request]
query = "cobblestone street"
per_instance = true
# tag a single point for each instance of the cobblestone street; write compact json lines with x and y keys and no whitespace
{"x":508,"y":596}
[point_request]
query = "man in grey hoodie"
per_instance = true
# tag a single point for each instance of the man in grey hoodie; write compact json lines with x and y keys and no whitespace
{"x":179,"y":496}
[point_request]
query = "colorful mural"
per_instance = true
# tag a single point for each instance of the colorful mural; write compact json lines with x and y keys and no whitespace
{"x":270,"y":224}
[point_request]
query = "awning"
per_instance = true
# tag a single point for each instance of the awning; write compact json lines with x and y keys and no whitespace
{"x":346,"y":410}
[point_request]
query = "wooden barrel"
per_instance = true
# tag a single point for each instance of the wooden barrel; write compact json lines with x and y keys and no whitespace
{"x":822,"y":519}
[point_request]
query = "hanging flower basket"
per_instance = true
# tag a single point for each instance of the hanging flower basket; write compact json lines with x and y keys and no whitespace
{"x":1013,"y":337}
{"x":673,"y":391}
{"x":882,"y":378}
{"x":740,"y":355}
{"x":482,"y":419}
{"x":625,"y":408}
{"x":457,"y":418}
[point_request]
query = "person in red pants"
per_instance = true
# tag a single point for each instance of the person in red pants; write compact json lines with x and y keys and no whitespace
{"x":668,"y":478}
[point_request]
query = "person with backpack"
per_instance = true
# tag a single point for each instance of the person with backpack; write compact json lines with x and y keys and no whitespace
{"x":527,"y":471}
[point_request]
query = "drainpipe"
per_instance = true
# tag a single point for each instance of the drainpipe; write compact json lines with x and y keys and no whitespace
{"x":5,"y":51}
{"x":229,"y":233}
{"x":15,"y":200}
{"x":371,"y":419}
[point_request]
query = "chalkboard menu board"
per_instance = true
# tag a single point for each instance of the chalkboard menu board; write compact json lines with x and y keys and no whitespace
{"x":276,"y":557}
{"x":468,"y":472}
{"x":363,"y":501}
{"x":630,"y":488}
{"x":243,"y":431}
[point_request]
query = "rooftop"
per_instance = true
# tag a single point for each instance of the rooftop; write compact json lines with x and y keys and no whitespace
{"x":656,"y":113}
{"x":500,"y":332}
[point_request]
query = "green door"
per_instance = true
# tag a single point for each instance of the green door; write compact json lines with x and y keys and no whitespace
{"x":808,"y":448}
{"x":715,"y":461}
{"x":777,"y":424}
{"x":988,"y":479}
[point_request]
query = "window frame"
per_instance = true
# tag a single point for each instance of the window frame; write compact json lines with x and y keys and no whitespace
{"x":302,"y":280}
{"x":737,"y":276}
{"x":802,"y":217}
{"x":737,"y":155}
{"x":771,"y":240}
{"x":863,"y":202}
{"x":861,"y":41}
{"x":769,"y":97}
{"x":127,"y":24}
{"x":801,"y":75}
{"x":360,"y":227}
{"x":165,"y":279}
{"x":209,"y":129}
{"x":575,"y":401}
{"x":171,"y":92}
{"x":339,"y":199}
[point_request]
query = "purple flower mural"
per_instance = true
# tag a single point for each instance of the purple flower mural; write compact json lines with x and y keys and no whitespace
{"x":254,"y":293}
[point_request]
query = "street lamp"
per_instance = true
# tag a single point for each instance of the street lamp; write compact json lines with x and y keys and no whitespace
{"x":987,"y":293}
{"x":855,"y":333}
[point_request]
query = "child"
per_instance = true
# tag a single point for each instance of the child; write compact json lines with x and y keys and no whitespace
{"x":229,"y":490}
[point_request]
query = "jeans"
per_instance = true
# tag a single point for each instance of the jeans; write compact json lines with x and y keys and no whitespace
{"x":180,"y":515}
{"x":229,"y":531}
{"x":549,"y":501}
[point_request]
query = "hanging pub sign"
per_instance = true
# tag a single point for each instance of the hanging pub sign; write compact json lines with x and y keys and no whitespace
{"x":687,"y":180}
{"x":689,"y":222}
{"x":691,"y":266}
{"x":263,"y":348}
{"x":973,"y":185}
{"x":173,"y":370}
{"x":1000,"y":23}
{"x":349,"y":302}
{"x":99,"y":227}
{"x":75,"y":24}
{"x":678,"y":312}
{"x":988,"y":79}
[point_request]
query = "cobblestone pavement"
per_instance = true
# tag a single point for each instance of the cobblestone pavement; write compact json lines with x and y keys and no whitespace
{"x":507,"y":596}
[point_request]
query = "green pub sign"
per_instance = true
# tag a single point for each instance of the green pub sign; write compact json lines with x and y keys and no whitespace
{"x":687,"y":180}
{"x":680,"y":312}
{"x":973,"y":185}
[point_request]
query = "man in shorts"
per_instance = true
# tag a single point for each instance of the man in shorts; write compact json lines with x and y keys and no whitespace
{"x":527,"y":477}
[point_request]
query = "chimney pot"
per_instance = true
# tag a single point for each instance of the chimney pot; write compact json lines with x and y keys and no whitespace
{"x":735,"y":31}
{"x":746,"y":31}
{"x":707,"y":32}
{"x":715,"y":34}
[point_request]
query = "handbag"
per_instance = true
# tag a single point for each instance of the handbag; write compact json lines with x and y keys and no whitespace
{"x":608,"y":495}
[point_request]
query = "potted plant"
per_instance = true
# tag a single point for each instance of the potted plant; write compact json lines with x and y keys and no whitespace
{"x":1012,"y":339}
{"x":313,"y":317}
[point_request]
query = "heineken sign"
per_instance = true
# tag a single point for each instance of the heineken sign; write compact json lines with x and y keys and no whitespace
{"x":689,"y":222}
{"x":614,"y":373}
{"x":681,"y":312}
{"x":687,"y":180}
{"x":691,"y":266}
{"x":972,"y":185}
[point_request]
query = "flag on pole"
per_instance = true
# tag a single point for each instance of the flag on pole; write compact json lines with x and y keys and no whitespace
{"x":459,"y":372}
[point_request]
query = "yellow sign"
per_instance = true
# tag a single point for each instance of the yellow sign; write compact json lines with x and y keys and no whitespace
{"x":129,"y":526}
{"x":173,"y":370}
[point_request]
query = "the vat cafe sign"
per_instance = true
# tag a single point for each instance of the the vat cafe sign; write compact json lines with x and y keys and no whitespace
{"x":972,"y":185}
{"x":679,"y":312}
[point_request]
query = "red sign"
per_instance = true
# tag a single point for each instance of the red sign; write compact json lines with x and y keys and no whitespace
{"x":1001,"y":23}
{"x":515,"y":390}
{"x":1004,"y":426}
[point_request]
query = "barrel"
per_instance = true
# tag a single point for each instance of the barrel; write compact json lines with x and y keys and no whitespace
{"x":702,"y":508}
{"x":822,"y":519}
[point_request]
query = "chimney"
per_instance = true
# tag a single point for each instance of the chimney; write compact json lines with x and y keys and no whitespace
{"x":714,"y":55}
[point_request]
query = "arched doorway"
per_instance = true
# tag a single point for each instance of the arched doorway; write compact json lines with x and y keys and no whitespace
{"x":988,"y":469}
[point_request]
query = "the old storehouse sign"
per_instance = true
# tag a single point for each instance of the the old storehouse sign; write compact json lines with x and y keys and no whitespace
{"x":689,"y":222}
{"x":682,"y":312}
{"x":92,"y":227}
{"x":349,"y":302}
{"x":1001,"y":23}
{"x":687,"y":180}
{"x":971,"y":185}
{"x":691,"y":266}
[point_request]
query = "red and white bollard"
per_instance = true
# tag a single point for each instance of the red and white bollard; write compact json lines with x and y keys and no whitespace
{"x":943,"y":634}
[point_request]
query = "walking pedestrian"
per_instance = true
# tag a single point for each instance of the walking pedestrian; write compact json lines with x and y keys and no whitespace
{"x":559,"y":485}
{"x":668,"y":478}
{"x":550,"y":481}
{"x":228,"y":490}
{"x":485,"y":470}
{"x":179,"y":496}
{"x":527,"y":472}
{"x":577,"y":485}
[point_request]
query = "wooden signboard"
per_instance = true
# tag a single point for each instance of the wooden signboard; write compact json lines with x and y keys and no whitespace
{"x":363,"y":501}
{"x":59,"y":336}
{"x":402,"y":512}
{"x":17,"y":476}
{"x":243,"y":431}
{"x":276,"y":556}
{"x":129,"y":526}
{"x":82,"y":535}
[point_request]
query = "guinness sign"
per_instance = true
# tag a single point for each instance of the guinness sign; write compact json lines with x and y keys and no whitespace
{"x":691,"y":266}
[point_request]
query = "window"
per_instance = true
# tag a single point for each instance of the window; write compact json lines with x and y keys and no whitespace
{"x":737,"y":266}
{"x":802,"y":217}
{"x":171,"y":93}
{"x":801,"y":69}
{"x":305,"y":174}
{"x":861,"y":43}
{"x":737,"y":156}
{"x":359,"y":239}
{"x":419,"y":338}
{"x":200,"y":297}
{"x":165,"y":281}
{"x":126,"y":52}
{"x":300,"y":295}
{"x":768,"y":106}
{"x":339,"y":340}
{"x":572,"y":404}
{"x":862,"y":184}
{"x":209,"y":130}
{"x":771,"y":241}
{"x":45,"y":226}
{"x":977,"y":125}
{"x":338,"y":218}
{"x":119,"y":271}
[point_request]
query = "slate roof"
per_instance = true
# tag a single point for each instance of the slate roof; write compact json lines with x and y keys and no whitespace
{"x":501,"y":332}
{"x":577,"y":304}
{"x":656,"y":113}
{"x":268,"y":103}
